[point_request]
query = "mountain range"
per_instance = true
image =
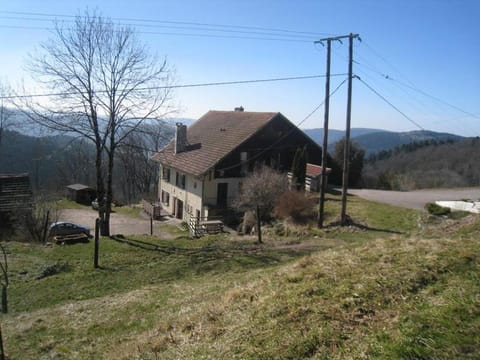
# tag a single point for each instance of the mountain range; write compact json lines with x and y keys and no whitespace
{"x":375,"y":140}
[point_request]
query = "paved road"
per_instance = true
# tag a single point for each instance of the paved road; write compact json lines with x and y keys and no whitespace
{"x":416,"y":199}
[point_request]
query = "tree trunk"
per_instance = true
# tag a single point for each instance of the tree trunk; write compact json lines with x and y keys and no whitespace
{"x":4,"y":299}
{"x":100,"y":187}
{"x":109,"y":194}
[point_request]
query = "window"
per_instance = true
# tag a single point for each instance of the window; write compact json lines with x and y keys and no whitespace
{"x":166,"y":174}
{"x":244,"y":162}
{"x":165,"y":198}
{"x":180,"y":180}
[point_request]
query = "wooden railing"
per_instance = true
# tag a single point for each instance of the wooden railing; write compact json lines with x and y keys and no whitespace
{"x":152,"y":209}
{"x":203,"y":226}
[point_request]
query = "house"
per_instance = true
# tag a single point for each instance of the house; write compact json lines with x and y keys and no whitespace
{"x":16,"y":199}
{"x":202,"y":169}
{"x":81,"y":194}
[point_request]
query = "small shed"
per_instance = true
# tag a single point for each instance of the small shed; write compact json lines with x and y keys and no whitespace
{"x":81,"y":194}
{"x":15,"y":193}
{"x":312,"y":178}
{"x":16,"y":200}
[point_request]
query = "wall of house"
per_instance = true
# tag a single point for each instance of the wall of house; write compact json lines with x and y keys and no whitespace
{"x":191,"y":195}
{"x":211,"y":189}
{"x":274,"y":145}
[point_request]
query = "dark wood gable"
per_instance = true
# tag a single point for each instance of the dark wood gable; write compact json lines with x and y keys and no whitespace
{"x":273,"y":145}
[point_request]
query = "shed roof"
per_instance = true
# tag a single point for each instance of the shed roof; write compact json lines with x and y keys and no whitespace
{"x":77,"y":187}
{"x":212,"y":137}
{"x":315,"y":170}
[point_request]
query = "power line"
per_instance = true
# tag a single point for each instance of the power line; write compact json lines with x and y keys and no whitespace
{"x":377,"y":54}
{"x":389,"y":103}
{"x":435,"y":98}
{"x":176,"y":34}
{"x":238,"y":82}
{"x":156,"y":21}
{"x":417,"y":90}
{"x":175,"y":27}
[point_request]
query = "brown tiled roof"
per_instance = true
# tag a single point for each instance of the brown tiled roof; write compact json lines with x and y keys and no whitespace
{"x":315,"y":170}
{"x":211,"y":138}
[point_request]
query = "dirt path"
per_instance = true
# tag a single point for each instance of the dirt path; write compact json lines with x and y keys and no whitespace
{"x":119,"y":224}
{"x":416,"y":199}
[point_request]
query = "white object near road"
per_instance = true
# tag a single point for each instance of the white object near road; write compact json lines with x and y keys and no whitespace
{"x":470,"y":206}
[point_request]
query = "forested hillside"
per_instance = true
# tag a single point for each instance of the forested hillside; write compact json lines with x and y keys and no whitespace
{"x":335,"y":135}
{"x":386,"y":140}
{"x":428,"y":165}
{"x":54,"y":162}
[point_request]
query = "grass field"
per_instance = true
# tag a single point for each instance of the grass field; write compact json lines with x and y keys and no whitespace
{"x":398,"y":285}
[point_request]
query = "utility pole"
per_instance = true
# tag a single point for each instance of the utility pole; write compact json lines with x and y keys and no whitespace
{"x":346,"y":148}
{"x":323,"y":176}
{"x":323,"y":179}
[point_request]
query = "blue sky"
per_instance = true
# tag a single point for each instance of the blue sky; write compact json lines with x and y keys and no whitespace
{"x":429,"y":50}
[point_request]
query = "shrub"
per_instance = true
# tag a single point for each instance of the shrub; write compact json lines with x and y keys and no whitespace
{"x":437,"y":210}
{"x":293,"y":205}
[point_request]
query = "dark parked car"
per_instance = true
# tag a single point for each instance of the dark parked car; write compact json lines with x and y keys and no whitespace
{"x":61,"y":228}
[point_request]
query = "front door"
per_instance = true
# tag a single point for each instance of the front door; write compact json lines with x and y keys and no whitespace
{"x":222,"y":191}
{"x":179,"y":209}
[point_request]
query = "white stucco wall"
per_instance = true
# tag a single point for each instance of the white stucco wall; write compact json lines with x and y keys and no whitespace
{"x":198,"y":192}
{"x":211,"y":186}
{"x":191,"y":196}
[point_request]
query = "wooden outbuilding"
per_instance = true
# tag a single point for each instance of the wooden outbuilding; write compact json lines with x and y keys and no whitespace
{"x":15,"y":193}
{"x":81,"y":194}
{"x":16,"y":199}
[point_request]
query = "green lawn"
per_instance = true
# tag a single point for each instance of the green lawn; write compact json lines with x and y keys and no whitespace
{"x":397,"y":286}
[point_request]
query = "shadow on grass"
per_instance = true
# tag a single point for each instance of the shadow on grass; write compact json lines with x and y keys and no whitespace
{"x":209,"y":257}
{"x":350,"y":222}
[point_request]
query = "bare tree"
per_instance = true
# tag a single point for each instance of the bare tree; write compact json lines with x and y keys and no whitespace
{"x":139,"y":174}
{"x":107,"y":84}
{"x":260,"y":191}
{"x":6,"y":114}
{"x":76,"y":163}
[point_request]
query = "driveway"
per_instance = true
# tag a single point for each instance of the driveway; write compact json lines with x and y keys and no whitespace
{"x":416,"y":199}
{"x":119,"y":224}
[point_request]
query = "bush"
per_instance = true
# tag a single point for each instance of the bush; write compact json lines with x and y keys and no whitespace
{"x":293,"y":205}
{"x":437,"y":210}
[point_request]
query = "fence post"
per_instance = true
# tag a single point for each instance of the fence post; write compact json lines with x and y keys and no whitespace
{"x":151,"y":224}
{"x":2,"y":351}
{"x":45,"y":227}
{"x":97,"y":235}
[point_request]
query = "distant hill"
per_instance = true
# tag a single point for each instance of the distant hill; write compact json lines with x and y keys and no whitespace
{"x":335,"y":135}
{"x":376,"y":140}
{"x":444,"y":164}
{"x":386,"y":140}
{"x":184,"y":121}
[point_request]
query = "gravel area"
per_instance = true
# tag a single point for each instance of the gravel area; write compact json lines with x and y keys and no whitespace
{"x":119,"y":224}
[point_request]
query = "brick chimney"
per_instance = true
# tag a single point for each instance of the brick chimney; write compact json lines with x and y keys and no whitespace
{"x":180,"y":138}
